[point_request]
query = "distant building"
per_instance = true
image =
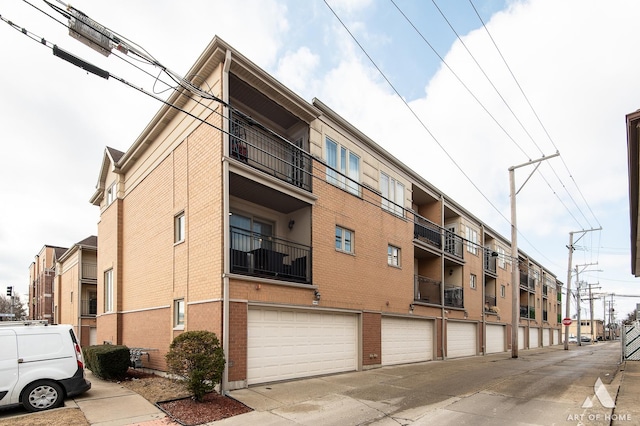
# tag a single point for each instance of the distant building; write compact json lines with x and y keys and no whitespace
{"x":75,"y":289}
{"x":585,"y":329}
{"x":41,"y":283}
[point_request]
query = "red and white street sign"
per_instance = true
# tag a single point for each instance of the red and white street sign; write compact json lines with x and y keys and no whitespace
{"x":566,"y":321}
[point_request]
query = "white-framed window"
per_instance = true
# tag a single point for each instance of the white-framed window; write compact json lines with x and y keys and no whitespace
{"x":503,"y":291}
{"x":472,"y":240}
{"x":179,"y":228}
{"x":343,"y":167}
{"x":178,"y":313}
{"x":108,"y":290}
{"x":393,"y":255}
{"x":344,"y":239}
{"x":111,"y":194}
{"x":392,"y":194}
{"x":472,"y":281}
{"x":502,"y":262}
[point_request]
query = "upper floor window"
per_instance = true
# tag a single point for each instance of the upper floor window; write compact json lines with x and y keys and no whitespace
{"x":179,"y":228}
{"x":472,"y":281}
{"x":111,"y":194}
{"x":503,"y":290}
{"x":344,"y":239}
{"x":392,"y":194}
{"x":502,"y":262}
{"x":178,"y":313}
{"x":108,"y":290}
{"x":393,"y":255}
{"x":343,"y":167}
{"x":472,"y":240}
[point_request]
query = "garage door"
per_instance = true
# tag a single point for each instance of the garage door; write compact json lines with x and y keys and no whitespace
{"x":461,"y":339}
{"x":288,"y":343}
{"x":546,"y":340}
{"x":521,"y":336}
{"x":495,"y":338}
{"x":533,"y":337}
{"x":556,"y":337}
{"x":406,"y":340}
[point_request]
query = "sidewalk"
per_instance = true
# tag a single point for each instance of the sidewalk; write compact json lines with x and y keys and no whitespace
{"x":111,"y":404}
{"x":627,"y":409}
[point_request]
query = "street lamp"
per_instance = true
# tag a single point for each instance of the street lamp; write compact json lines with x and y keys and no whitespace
{"x":515,"y":269}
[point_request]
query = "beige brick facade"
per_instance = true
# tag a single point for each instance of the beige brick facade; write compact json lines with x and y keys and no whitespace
{"x":261,"y":209}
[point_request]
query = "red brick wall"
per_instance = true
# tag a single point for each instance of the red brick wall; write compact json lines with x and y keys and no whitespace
{"x":237,"y":341}
{"x":149,"y":330}
{"x":371,"y":339}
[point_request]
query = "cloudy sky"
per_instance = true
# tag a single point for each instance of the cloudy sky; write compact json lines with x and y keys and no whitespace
{"x":459,"y":111}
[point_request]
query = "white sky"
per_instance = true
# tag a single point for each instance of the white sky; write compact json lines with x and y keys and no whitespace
{"x":573,"y":59}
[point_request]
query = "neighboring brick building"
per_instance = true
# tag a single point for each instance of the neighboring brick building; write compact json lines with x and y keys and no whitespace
{"x":76,"y":297}
{"x":303,"y":244}
{"x":41,"y":277}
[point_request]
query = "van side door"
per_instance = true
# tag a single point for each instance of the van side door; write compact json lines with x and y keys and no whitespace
{"x":8,"y":365}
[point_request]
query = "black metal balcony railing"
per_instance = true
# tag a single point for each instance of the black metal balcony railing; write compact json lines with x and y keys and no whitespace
{"x":427,"y":290}
{"x":266,"y":256}
{"x":453,"y":296}
{"x":524,"y":279}
{"x":259,"y":147}
{"x":544,"y":316}
{"x":559,"y":296}
{"x":89,"y":307}
{"x":545,"y":290}
{"x":430,"y":233}
{"x":559,"y":318}
{"x":489,"y":261}
{"x":527,"y":312}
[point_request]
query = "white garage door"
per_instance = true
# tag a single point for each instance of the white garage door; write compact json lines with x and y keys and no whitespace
{"x":521,"y":331}
{"x":288,"y":343}
{"x":533,"y":337}
{"x":556,"y":337}
{"x":546,"y":341}
{"x":461,"y":339}
{"x":495,"y":338}
{"x":406,"y":340}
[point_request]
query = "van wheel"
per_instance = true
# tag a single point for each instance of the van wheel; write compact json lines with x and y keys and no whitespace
{"x":42,"y":395}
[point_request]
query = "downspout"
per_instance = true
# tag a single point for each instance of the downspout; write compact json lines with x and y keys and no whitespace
{"x":225,"y":221}
{"x":443,"y":326}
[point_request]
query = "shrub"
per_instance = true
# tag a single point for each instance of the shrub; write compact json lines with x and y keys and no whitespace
{"x":109,"y":362}
{"x":198,"y":357}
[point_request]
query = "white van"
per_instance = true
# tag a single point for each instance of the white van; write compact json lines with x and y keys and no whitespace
{"x":40,"y":365}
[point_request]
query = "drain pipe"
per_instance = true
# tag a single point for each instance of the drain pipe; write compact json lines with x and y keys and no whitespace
{"x":225,"y":223}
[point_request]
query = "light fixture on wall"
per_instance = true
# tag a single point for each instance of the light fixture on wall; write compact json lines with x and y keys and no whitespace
{"x":316,"y":294}
{"x":411,"y":306}
{"x":450,"y":271}
{"x":291,"y":223}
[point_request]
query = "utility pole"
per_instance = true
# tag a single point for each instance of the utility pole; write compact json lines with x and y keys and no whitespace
{"x":579,"y":297}
{"x":515,"y":269}
{"x":593,"y":337}
{"x":568,"y":301}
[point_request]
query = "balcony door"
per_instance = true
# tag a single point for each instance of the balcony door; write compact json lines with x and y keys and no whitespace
{"x":250,"y":233}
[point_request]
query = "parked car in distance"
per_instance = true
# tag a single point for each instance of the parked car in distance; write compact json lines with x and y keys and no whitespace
{"x":40,"y":365}
{"x":573,"y":339}
{"x":585,"y":339}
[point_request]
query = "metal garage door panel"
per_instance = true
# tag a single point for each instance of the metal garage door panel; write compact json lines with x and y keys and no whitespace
{"x":546,"y":341}
{"x":533,"y":337}
{"x":556,"y":337}
{"x":461,"y":339}
{"x":406,"y":340}
{"x":495,"y":338}
{"x":521,"y":336}
{"x":286,"y":344}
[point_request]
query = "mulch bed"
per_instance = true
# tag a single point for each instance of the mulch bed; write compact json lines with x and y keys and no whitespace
{"x":189,"y":412}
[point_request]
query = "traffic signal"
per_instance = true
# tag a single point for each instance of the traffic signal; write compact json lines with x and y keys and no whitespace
{"x":9,"y":291}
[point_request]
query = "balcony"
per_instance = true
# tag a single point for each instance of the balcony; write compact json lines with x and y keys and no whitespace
{"x":453,"y":296}
{"x":490,"y":258}
{"x":544,"y":316}
{"x":427,"y":232}
{"x":89,"y":307}
{"x":490,"y":304}
{"x":545,"y":290}
{"x":527,"y":312}
{"x":262,"y":149}
{"x":89,"y":271}
{"x":427,"y":290}
{"x":266,"y":256}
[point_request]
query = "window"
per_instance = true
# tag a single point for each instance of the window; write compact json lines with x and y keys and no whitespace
{"x":344,"y":240}
{"x":392,"y":194}
{"x":343,"y":167}
{"x":250,"y":233}
{"x":472,"y":281}
{"x":472,"y":240}
{"x":108,"y":290}
{"x":178,"y":313}
{"x":393,"y":255}
{"x":178,"y":228}
{"x":502,"y":258}
{"x":111,"y":193}
{"x":503,"y":291}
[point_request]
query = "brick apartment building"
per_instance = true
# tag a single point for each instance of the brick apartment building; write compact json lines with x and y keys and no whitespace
{"x":302,"y":243}
{"x":75,"y":292}
{"x":41,"y":283}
